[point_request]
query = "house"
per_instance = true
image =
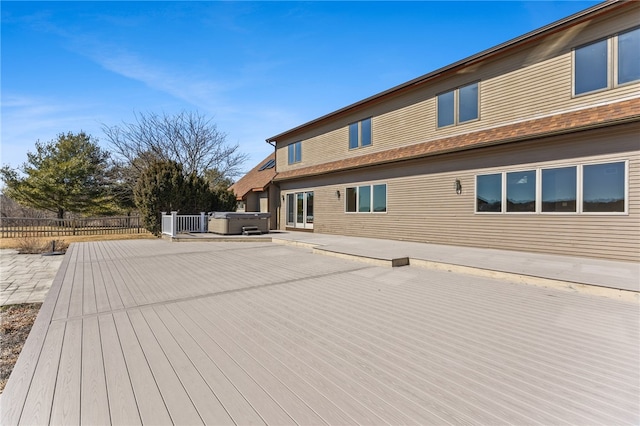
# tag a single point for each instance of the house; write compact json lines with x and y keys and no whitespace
{"x":531,"y":145}
{"x":254,"y":191}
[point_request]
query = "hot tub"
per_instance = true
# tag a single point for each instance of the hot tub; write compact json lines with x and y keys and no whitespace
{"x":231,"y":223}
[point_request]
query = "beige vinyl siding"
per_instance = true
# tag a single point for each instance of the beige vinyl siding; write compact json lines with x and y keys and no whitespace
{"x":422,"y":204}
{"x":523,"y":84}
{"x":252,"y":202}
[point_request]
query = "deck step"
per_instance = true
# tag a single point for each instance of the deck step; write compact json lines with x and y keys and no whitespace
{"x":251,"y":230}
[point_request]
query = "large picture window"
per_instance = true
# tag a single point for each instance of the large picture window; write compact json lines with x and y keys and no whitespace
{"x":295,"y":152}
{"x":559,"y":190}
{"x":360,"y":133}
{"x":593,"y":68}
{"x":366,"y":199}
{"x":489,"y":193}
{"x":379,"y":198}
{"x":458,"y":106}
{"x":521,"y":191}
{"x":603,"y":190}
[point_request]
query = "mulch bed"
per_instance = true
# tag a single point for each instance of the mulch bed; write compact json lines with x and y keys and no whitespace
{"x":15,"y":323}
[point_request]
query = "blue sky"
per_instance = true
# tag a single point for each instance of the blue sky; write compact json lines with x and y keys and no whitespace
{"x":256,"y":68}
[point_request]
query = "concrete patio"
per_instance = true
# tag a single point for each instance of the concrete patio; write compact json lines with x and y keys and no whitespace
{"x":153,"y":332}
{"x":26,"y":278}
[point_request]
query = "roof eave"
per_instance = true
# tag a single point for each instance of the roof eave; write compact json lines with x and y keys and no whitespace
{"x":542,"y":31}
{"x":474,"y":146}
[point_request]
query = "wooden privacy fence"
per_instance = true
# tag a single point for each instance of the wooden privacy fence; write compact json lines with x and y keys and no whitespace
{"x":11,"y":227}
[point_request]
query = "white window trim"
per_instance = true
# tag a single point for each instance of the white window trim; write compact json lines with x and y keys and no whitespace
{"x":293,"y":193}
{"x":578,"y":192}
{"x":370,"y":185}
{"x":359,"y":123}
{"x":626,"y":189}
{"x":456,"y":102}
{"x":504,"y":189}
{"x":612,"y":64}
{"x":579,"y":189}
{"x":615,"y":58}
{"x":298,"y":149}
{"x":503,"y":192}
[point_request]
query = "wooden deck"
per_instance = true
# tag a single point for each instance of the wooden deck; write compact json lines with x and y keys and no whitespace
{"x":255,"y":333}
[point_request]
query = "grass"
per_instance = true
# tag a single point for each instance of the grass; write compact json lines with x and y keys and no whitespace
{"x":16,"y":243}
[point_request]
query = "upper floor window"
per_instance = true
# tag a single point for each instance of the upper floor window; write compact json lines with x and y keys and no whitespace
{"x":629,"y":56}
{"x":458,"y":105}
{"x":594,"y":68}
{"x":295,"y":152}
{"x":360,"y":133}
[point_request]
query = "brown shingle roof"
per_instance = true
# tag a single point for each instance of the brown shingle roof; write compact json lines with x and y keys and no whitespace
{"x":598,"y":116}
{"x":255,"y":180}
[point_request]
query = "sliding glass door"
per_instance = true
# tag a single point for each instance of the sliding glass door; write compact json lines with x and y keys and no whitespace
{"x":300,"y":210}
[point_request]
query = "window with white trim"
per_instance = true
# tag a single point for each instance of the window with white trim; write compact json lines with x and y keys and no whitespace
{"x":366,"y":199}
{"x":521,"y":192}
{"x":295,"y":152}
{"x":586,"y":188}
{"x":360,"y":133}
{"x":458,"y":105}
{"x":603,"y":188}
{"x":489,"y":193}
{"x":607,"y":63}
{"x":559,"y":190}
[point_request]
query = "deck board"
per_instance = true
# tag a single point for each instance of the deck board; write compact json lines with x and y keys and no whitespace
{"x":150,"y":332}
{"x":37,"y":406}
{"x":103,"y":304}
{"x":523,"y":371}
{"x":151,"y":405}
{"x":95,"y":402}
{"x":263,"y":403}
{"x":178,"y":402}
{"x":410,"y":372}
{"x":12,"y":402}
{"x":65,"y":278}
{"x":204,"y":400}
{"x":237,"y":406}
{"x":66,"y":401}
{"x":299,"y":412}
{"x":122,"y":401}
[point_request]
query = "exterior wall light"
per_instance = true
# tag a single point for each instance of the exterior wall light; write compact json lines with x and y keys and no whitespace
{"x":458,"y":186}
{"x":338,"y":193}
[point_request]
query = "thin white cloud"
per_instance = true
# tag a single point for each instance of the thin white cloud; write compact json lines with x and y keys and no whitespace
{"x":26,"y":120}
{"x":200,"y":92}
{"x":247,"y":122}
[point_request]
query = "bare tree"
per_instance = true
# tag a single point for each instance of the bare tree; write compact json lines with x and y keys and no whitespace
{"x":10,"y":208}
{"x":188,"y":138}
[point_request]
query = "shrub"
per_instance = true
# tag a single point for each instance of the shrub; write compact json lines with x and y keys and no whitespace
{"x":37,"y":245}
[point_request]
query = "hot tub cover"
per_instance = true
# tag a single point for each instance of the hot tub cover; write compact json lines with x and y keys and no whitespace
{"x":239,"y":215}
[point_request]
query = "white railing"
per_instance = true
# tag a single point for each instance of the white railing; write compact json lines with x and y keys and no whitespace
{"x":173,"y":223}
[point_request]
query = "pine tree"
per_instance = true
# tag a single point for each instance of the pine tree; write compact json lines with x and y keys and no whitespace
{"x":67,"y":174}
